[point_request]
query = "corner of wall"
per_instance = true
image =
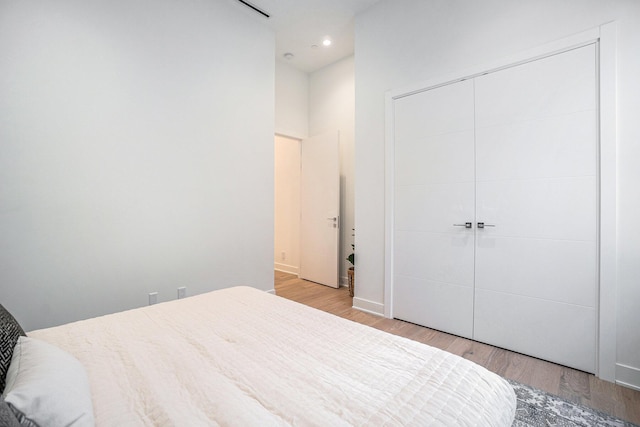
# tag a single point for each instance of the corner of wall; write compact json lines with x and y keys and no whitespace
{"x":367,"y":306}
{"x":291,"y":101}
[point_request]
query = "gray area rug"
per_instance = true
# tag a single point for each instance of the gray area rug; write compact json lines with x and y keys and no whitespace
{"x":537,"y":408}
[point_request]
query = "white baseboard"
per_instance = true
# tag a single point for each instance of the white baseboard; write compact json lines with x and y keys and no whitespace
{"x":368,"y":306}
{"x":291,"y":269}
{"x":628,"y":376}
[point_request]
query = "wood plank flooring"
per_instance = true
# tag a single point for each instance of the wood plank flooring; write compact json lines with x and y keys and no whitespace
{"x":568,"y":383}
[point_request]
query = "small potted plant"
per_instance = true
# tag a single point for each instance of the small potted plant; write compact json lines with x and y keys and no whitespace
{"x":351,"y":271}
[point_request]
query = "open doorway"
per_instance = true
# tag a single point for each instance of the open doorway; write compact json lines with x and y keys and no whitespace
{"x":307,"y":207}
{"x":287,"y":205}
{"x":313,"y":104}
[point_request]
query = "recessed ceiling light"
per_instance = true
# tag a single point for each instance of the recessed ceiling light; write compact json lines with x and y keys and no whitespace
{"x":326,"y":42}
{"x":288,"y":56}
{"x":314,"y":46}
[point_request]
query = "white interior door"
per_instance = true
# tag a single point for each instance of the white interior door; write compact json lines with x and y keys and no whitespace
{"x":536,"y":279}
{"x":320,"y":209}
{"x":434,"y":198}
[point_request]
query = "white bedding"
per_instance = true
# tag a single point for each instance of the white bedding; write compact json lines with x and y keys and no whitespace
{"x":243,"y":357}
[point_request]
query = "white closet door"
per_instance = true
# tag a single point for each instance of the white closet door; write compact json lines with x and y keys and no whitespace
{"x":434,"y":188}
{"x":536,"y":163}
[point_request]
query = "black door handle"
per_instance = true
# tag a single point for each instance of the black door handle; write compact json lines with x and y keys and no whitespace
{"x":483,"y":225}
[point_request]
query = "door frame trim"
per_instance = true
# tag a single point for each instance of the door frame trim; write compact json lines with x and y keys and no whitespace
{"x":605,"y":38}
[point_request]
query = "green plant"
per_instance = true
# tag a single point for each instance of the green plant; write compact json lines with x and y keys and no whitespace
{"x":352,"y":257}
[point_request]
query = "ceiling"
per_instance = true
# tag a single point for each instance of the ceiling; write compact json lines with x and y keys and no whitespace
{"x":301,"y":24}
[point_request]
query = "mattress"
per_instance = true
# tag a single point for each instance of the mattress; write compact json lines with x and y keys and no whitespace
{"x":240,"y":356}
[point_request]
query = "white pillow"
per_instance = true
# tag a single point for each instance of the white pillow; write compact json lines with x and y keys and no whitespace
{"x":48,"y":385}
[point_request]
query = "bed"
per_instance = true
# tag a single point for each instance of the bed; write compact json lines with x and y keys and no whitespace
{"x":240,"y":356}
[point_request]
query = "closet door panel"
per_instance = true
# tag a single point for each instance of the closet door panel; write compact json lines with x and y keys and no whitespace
{"x":433,"y":207}
{"x":536,"y":160}
{"x":437,"y":159}
{"x":443,"y":110}
{"x":549,"y":330}
{"x":434,"y":306}
{"x":538,"y":148}
{"x":434,"y":257}
{"x":548,"y":87}
{"x":434,"y":182}
{"x":571,"y":264}
{"x":551,"y":208}
{"x":433,"y":282}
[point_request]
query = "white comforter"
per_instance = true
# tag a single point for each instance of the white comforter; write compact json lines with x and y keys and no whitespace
{"x":242,"y":357}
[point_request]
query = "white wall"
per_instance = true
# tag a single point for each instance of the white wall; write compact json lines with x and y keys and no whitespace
{"x":292,"y":121}
{"x":332,"y":107}
{"x":400,"y":43}
{"x":137,"y":154}
{"x":287,"y":205}
{"x":292,"y":101}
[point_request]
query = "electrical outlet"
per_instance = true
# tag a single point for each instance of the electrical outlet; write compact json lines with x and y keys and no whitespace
{"x":153,"y":298}
{"x":182,"y":292}
{"x":283,"y":255}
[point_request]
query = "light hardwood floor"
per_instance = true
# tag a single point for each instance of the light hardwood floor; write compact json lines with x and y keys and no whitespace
{"x":568,"y":383}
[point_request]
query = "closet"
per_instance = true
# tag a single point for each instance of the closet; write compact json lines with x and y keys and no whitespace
{"x":495,"y":226}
